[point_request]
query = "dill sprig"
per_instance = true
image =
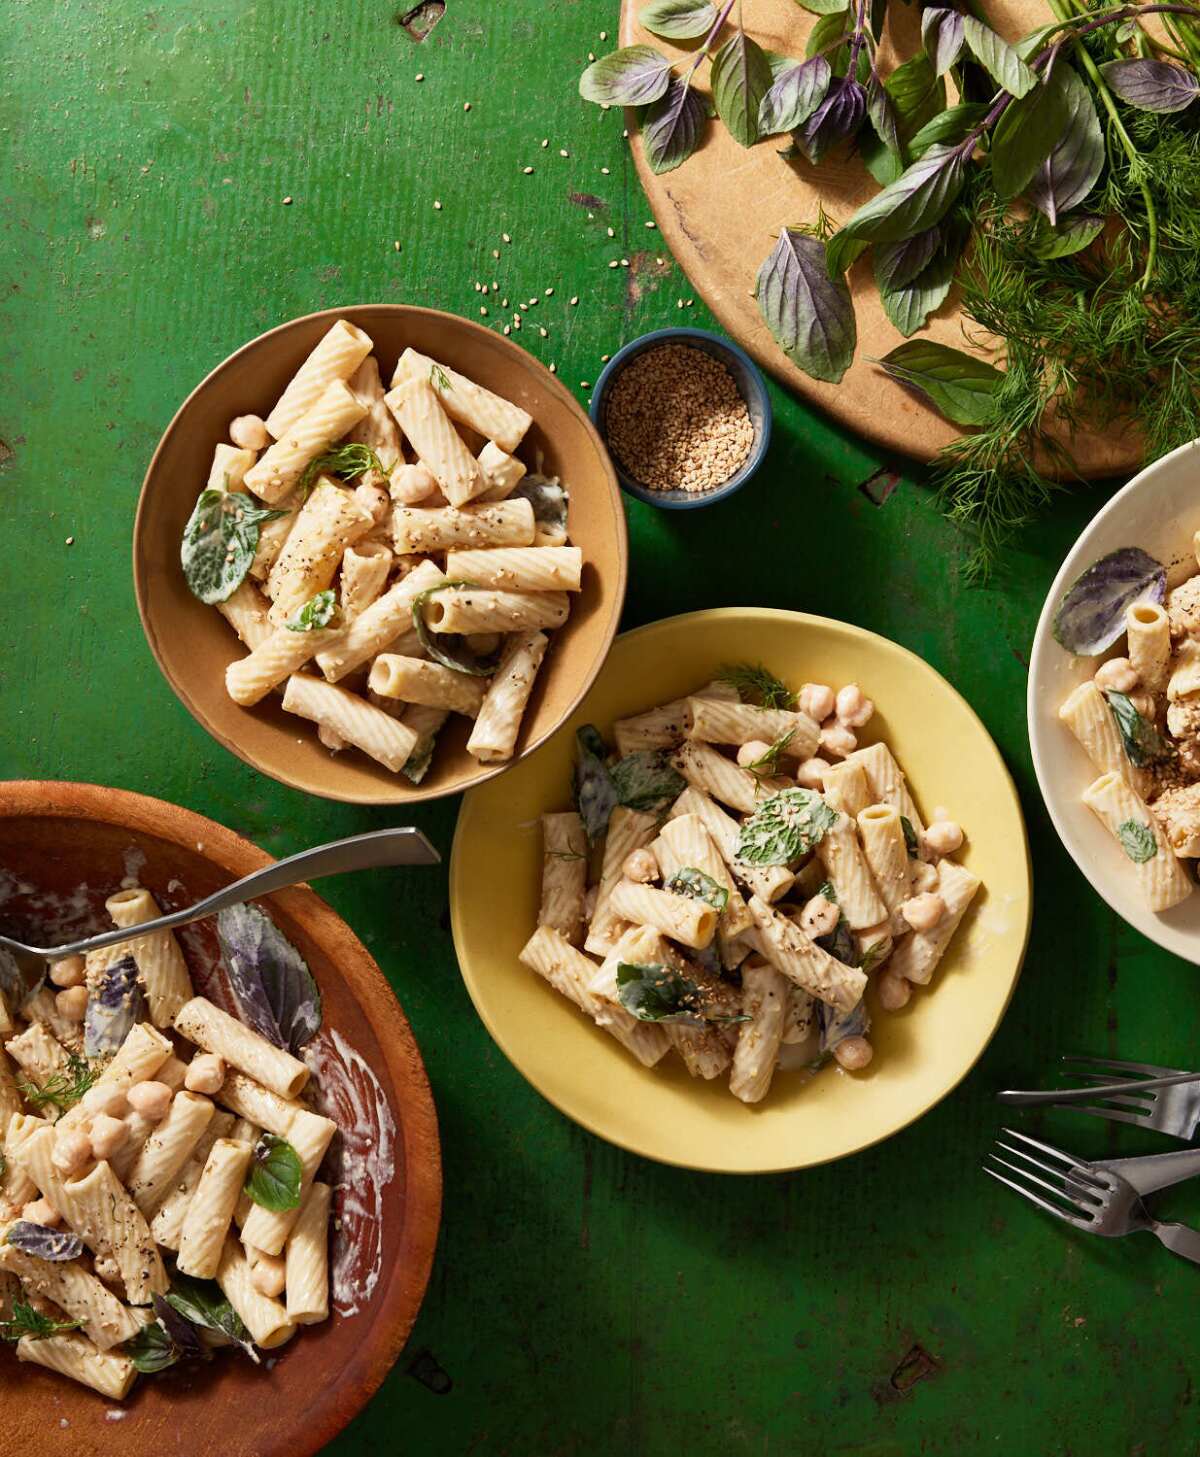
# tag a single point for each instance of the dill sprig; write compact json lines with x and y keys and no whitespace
{"x":439,"y":378}
{"x":29,"y":1322}
{"x":756,"y":684}
{"x":63,"y":1089}
{"x":344,"y":461}
{"x":767,"y":764}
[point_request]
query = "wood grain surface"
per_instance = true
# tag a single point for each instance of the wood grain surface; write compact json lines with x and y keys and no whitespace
{"x":723,"y":209}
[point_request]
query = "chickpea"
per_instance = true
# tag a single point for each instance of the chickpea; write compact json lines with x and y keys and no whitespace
{"x":101,"y":1099}
{"x":640,"y":865}
{"x":41,"y":1211}
{"x":108,"y":1135}
{"x":71,"y":1003}
{"x":71,"y":1152}
{"x":68,"y":972}
{"x":853,"y":707}
{"x":268,"y":1275}
{"x":1118,"y":674}
{"x":943,"y":838}
{"x":373,"y":499}
{"x":811,"y":774}
{"x":150,"y":1099}
{"x":817,"y":700}
{"x":107,"y":1269}
{"x":893,"y":991}
{"x":923,"y":912}
{"x":940,"y":812}
{"x":753,"y":751}
{"x":410,"y":484}
{"x":205,"y":1074}
{"x":853,"y":1053}
{"x":837,"y":740}
{"x":819,"y":917}
{"x":924,"y":877}
{"x":249,"y":432}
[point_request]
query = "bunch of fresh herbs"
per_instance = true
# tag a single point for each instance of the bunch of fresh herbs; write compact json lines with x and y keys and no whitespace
{"x":1056,"y":181}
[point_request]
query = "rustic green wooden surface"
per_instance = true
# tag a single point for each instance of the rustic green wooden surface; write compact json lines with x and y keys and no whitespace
{"x":583,"y":1302}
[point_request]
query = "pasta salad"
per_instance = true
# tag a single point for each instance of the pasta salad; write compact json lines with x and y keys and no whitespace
{"x":384,"y":556}
{"x":733,"y":876}
{"x":159,"y":1157}
{"x":1137,"y":717}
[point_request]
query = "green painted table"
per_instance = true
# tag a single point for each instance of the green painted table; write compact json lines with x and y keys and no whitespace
{"x":583,"y":1302}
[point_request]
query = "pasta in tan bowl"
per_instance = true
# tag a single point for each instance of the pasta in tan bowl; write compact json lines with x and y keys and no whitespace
{"x":415,"y":541}
{"x":216,"y":1144}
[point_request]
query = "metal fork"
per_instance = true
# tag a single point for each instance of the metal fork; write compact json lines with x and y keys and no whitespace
{"x":1166,"y":1099}
{"x":1086,"y":1196}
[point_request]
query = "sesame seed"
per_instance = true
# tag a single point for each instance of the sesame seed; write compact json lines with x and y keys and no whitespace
{"x":287,"y":202}
{"x":604,"y":171}
{"x":690,"y":302}
{"x":679,"y":303}
{"x":562,"y":152}
{"x":504,"y":303}
{"x":574,"y":300}
{"x":625,"y":134}
{"x":504,"y":238}
{"x":437,"y":207}
{"x":611,"y":234}
{"x":585,"y":384}
{"x":483,"y":288}
{"x":527,"y":171}
{"x":604,"y":35}
{"x":396,"y":245}
{"x":420,"y":76}
{"x":545,"y":141}
{"x":614,"y":264}
{"x":591,"y":55}
{"x":466,"y":106}
{"x":532,"y":304}
{"x":495,"y":252}
{"x":624,"y":262}
{"x":545,"y":333}
{"x":651,"y":225}
{"x":549,"y":291}
{"x":478,"y":286}
{"x":508,"y":328}
{"x":70,"y":541}
{"x":554,"y":369}
{"x":604,"y":358}
{"x":483,"y":310}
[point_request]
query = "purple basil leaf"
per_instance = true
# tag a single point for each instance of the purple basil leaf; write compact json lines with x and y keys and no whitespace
{"x":1027,"y":133}
{"x":114,"y":1004}
{"x":673,"y":127}
{"x":1091,"y":616}
{"x":181,"y":1331}
{"x":633,"y":76}
{"x":275,"y":991}
{"x":837,"y":119}
{"x":942,"y":37}
{"x":899,"y":263}
{"x":1073,"y":168}
{"x":43,"y":1242}
{"x":740,"y":77}
{"x":882,"y":114}
{"x":910,"y":304}
{"x":794,"y":97}
{"x":809,"y":313}
{"x":1152,"y":85}
{"x":921,"y":196}
{"x":837,"y":1026}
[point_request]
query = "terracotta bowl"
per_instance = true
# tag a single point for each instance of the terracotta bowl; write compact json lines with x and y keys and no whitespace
{"x":63,"y":848}
{"x":193,"y":644}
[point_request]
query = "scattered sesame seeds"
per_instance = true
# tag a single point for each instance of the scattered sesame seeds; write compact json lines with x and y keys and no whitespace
{"x":585,"y":384}
{"x":604,"y":171}
{"x":554,"y":369}
{"x":545,"y":333}
{"x":604,"y":358}
{"x":483,"y":288}
{"x":396,"y":245}
{"x":604,"y":35}
{"x":624,"y":262}
{"x":613,"y":263}
{"x":483,"y":310}
{"x":625,"y":134}
{"x":504,"y":238}
{"x":287,"y":202}
{"x":508,"y":328}
{"x":549,"y":292}
{"x":527,"y":170}
{"x":679,"y":303}
{"x":574,"y":300}
{"x":466,"y":106}
{"x":504,"y":303}
{"x":611,"y":234}
{"x":70,"y":541}
{"x":478,"y":286}
{"x":651,"y":225}
{"x":545,"y":141}
{"x":562,"y":152}
{"x":591,"y":55}
{"x":495,"y":252}
{"x":420,"y":76}
{"x":437,"y":207}
{"x":677,"y":421}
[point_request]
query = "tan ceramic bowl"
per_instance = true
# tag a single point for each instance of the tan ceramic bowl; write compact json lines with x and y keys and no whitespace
{"x":63,"y":848}
{"x":193,"y":644}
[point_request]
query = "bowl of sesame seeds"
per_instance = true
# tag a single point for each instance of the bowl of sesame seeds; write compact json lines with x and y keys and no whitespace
{"x":685,"y":415}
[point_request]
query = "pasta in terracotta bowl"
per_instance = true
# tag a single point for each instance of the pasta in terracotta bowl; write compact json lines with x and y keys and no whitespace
{"x":380,"y":553}
{"x":220,"y":1179}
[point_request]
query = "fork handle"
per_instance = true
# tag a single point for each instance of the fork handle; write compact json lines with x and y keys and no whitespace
{"x":1180,"y":1239}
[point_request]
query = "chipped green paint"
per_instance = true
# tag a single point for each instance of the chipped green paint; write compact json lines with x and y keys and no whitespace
{"x":583,"y":1301}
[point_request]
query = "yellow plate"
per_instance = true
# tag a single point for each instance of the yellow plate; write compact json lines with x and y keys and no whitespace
{"x":920,"y":1053}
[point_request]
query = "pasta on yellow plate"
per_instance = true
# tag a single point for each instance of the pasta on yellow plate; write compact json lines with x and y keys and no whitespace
{"x":385,"y":556}
{"x":736,"y":874}
{"x":161,"y":1189}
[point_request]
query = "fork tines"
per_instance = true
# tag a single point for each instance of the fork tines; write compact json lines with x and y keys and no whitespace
{"x":1076,"y":1194}
{"x":1137,"y":1106}
{"x":1114,"y":1069}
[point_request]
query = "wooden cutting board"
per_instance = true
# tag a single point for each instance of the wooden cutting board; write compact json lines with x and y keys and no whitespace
{"x":721,"y":213}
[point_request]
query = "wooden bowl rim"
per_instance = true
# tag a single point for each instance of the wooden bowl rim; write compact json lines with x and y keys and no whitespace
{"x":403,"y":794}
{"x":421,"y":1176}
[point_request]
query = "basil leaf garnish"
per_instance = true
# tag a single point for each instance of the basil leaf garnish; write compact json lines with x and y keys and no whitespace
{"x":692,"y":882}
{"x":43,"y":1242}
{"x":1137,"y":840}
{"x":652,"y":992}
{"x":450,"y":648}
{"x":219,"y":542}
{"x":595,"y":792}
{"x":275,"y":1174}
{"x":1143,"y":743}
{"x":115,"y":1003}
{"x":645,"y":779}
{"x":784,"y":827}
{"x":317,"y":612}
{"x":202,"y":1303}
{"x":276,"y":993}
{"x":152,"y":1349}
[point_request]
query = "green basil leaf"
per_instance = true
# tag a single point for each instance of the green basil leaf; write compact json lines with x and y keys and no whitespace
{"x":449,"y":648}
{"x":918,"y":93}
{"x":998,"y":58}
{"x":1142,"y":742}
{"x":883,"y":116}
{"x":740,"y":78}
{"x":633,"y":76}
{"x":911,"y":843}
{"x":808,"y":311}
{"x":692,"y":882}
{"x":951,"y":126}
{"x":678,"y":19}
{"x":1074,"y":165}
{"x":1071,"y":235}
{"x":962,"y":387}
{"x":920,"y":197}
{"x":652,"y":992}
{"x":784,"y":827}
{"x":1137,"y":840}
{"x":842,"y":251}
{"x":219,"y":542}
{"x":942,"y":37}
{"x":317,"y":612}
{"x":594,"y":790}
{"x":828,"y":33}
{"x":275,"y":1174}
{"x":908,"y":305}
{"x":1026,"y":134}
{"x":646,"y":779}
{"x":202,"y":1303}
{"x":151,"y":1349}
{"x":673,"y":127}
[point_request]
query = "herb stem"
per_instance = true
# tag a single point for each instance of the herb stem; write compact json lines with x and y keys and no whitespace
{"x":710,"y":37}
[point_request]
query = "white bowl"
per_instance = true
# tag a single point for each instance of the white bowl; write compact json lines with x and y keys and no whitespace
{"x":1158,"y":510}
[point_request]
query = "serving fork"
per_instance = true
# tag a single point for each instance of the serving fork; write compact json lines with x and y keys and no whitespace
{"x":1166,"y":1099}
{"x":1093,"y":1197}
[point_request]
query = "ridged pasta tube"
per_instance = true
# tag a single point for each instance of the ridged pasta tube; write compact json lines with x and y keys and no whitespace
{"x":268,"y":1229}
{"x":331,"y":520}
{"x":210,"y":1212}
{"x":167,"y":1150}
{"x":564,"y":875}
{"x":248,"y":680}
{"x":307,"y":1259}
{"x":1159,"y":874}
{"x":138,"y":1058}
{"x":886,"y":853}
{"x":242,"y":1095}
{"x":501,"y":471}
{"x":415,"y":680}
{"x":377,"y":428}
{"x":465,"y":610}
{"x":847,"y":868}
{"x":424,"y":529}
{"x":790,"y":951}
{"x":338,"y":355}
{"x":167,"y":1224}
{"x":160,"y":961}
{"x":216,"y":1031}
{"x":1087,"y":714}
{"x":351,"y":718}
{"x":706,"y":769}
{"x":844,"y":787}
{"x":494,"y":417}
{"x":103,"y":1318}
{"x":768,"y":881}
{"x":1148,"y":633}
{"x":916,"y":956}
{"x":494,"y":736}
{"x":439,"y":446}
{"x":887,"y":782}
{"x":684,"y":842}
{"x":278,"y":470}
{"x":229,"y":466}
{"x":245,"y":610}
{"x":378,"y":625}
{"x":717,"y":722}
{"x":766,"y":993}
{"x":365,"y":569}
{"x":681,"y":917}
{"x":663,"y":727}
{"x":265,"y":1319}
{"x":73,"y":1355}
{"x":628,"y":830}
{"x":517,"y":569}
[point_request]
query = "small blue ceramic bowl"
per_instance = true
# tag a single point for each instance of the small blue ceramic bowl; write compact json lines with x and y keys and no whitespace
{"x":750,"y":383}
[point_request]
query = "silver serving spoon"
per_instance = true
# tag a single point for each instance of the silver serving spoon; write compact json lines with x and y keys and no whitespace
{"x":359,"y":852}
